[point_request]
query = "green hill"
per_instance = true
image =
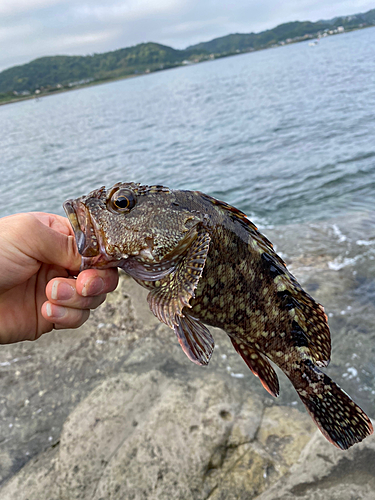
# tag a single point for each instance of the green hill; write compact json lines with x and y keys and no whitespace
{"x":255,"y":41}
{"x":293,"y":30}
{"x":62,"y":70}
{"x":48,"y":74}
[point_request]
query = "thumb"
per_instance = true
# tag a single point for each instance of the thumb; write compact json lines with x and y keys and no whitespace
{"x":48,"y":238}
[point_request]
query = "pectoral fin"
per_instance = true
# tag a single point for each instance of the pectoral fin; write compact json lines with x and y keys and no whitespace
{"x":174,"y":292}
{"x":260,"y":366}
{"x":155,"y":271}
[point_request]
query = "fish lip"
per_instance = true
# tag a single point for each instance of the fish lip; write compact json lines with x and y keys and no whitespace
{"x":70,"y":207}
{"x":88,"y":237}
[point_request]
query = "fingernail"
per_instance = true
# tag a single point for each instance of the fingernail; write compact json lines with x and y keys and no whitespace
{"x":93,"y":287}
{"x":55,"y":311}
{"x":61,"y":291}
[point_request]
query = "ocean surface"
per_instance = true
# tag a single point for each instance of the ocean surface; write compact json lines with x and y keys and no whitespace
{"x":285,"y":134}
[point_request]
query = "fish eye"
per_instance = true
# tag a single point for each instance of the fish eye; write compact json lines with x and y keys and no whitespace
{"x":123,"y":200}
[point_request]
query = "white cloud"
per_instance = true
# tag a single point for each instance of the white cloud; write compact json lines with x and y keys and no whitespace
{"x":11,"y":7}
{"x":69,"y":41}
{"x":130,"y":9}
{"x":196,"y":25}
{"x":10,"y":34}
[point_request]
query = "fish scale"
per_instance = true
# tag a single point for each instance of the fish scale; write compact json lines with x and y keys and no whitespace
{"x":205,"y":264}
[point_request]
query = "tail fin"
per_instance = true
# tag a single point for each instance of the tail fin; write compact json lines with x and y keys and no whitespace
{"x":339,"y":419}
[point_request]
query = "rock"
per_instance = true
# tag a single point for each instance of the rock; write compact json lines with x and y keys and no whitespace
{"x":325,"y":472}
{"x":35,"y":481}
{"x":284,"y":433}
{"x":153,"y":436}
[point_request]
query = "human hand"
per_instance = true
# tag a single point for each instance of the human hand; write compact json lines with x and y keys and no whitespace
{"x":38,"y":259}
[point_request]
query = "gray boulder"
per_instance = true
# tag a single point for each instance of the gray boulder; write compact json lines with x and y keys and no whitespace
{"x":116,"y":411}
{"x":151,"y":436}
{"x":325,"y":473}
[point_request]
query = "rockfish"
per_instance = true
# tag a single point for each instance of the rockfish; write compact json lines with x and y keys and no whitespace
{"x":205,"y":263}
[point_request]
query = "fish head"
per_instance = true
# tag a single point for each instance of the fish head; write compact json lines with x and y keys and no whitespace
{"x":143,"y":229}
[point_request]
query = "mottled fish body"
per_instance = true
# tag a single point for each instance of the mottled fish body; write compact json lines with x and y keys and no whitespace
{"x":205,"y":263}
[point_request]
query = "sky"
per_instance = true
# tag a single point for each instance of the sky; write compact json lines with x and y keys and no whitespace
{"x":34,"y":28}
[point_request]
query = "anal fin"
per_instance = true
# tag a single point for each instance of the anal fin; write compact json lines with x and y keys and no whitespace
{"x":260,"y":366}
{"x":196,"y":341}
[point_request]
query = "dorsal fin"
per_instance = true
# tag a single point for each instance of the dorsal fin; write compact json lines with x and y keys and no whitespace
{"x":226,"y":206}
{"x":309,"y":329}
{"x":239,"y":216}
{"x":310,"y":321}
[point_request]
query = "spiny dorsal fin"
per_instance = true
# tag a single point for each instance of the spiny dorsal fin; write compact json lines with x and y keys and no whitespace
{"x":223,"y":204}
{"x":241,"y":217}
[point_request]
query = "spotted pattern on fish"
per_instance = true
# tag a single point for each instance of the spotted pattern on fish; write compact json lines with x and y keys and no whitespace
{"x":206,"y":264}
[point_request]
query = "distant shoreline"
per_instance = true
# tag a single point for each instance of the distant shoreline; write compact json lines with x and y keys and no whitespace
{"x":179,"y":65}
{"x":66,"y":89}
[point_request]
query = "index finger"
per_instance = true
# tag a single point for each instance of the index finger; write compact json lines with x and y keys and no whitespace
{"x":92,"y":282}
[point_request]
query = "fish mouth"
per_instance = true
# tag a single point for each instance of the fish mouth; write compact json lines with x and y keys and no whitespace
{"x":88,"y":237}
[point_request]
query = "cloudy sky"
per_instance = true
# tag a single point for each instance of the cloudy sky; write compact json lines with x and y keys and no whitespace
{"x":35,"y":28}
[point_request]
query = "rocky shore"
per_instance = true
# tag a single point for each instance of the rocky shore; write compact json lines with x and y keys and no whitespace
{"x":115,"y":410}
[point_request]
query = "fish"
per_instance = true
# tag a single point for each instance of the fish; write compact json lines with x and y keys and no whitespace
{"x":205,"y":264}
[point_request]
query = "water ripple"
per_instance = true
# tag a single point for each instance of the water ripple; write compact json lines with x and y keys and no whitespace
{"x":284,"y":134}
